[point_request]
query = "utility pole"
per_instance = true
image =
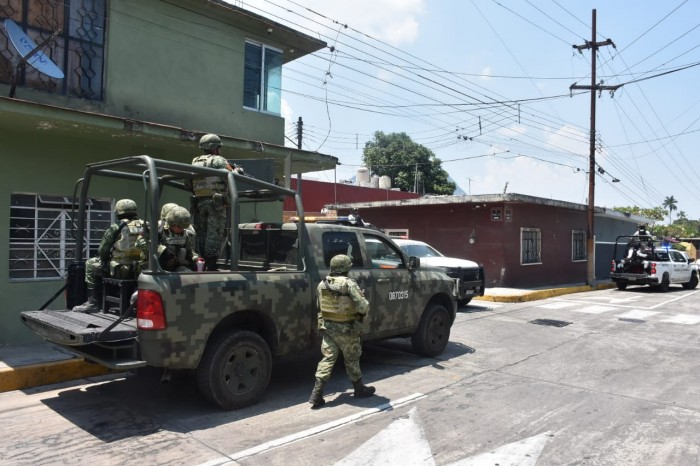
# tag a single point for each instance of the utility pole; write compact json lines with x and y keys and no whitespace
{"x":300,"y":128}
{"x":590,"y":243}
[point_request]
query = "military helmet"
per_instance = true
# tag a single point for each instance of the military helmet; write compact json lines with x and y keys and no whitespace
{"x":125,"y":207}
{"x":167,"y":208}
{"x":341,"y":264}
{"x":179,"y":217}
{"x":209,"y":142}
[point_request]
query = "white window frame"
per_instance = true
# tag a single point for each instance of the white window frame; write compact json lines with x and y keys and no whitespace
{"x":573,"y":246}
{"x":262,"y":99}
{"x":538,"y":245}
{"x":41,"y":242}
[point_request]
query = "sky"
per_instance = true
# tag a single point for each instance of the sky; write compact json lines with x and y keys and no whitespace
{"x":486,"y":86}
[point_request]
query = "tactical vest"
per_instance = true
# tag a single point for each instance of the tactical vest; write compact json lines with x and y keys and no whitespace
{"x":204,"y":186}
{"x":124,"y":250}
{"x":336,"y":303}
{"x":177,"y":244}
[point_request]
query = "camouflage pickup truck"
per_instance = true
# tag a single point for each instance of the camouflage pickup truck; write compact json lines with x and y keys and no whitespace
{"x":229,"y":326}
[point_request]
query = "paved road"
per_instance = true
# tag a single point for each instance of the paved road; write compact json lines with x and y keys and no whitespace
{"x":604,"y":378}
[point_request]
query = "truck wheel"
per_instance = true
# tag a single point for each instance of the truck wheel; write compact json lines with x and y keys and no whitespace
{"x":464,"y":302}
{"x":235,"y":369}
{"x":665,"y":282}
{"x":621,"y":286}
{"x":693,"y":283}
{"x":433,"y":331}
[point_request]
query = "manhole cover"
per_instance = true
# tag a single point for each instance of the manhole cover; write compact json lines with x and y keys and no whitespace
{"x":550,"y":322}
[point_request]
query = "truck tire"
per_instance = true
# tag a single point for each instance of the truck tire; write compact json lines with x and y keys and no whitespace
{"x":622,"y":286}
{"x":665,"y":282}
{"x":693,"y":283}
{"x":433,"y":331}
{"x":235,"y":369}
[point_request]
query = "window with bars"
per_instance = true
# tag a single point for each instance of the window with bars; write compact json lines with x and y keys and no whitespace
{"x":578,"y":245}
{"x":42,"y":241}
{"x":78,"y":49}
{"x":530,"y":246}
{"x":262,"y":79}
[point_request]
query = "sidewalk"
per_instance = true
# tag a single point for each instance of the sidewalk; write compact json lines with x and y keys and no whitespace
{"x":34,"y":365}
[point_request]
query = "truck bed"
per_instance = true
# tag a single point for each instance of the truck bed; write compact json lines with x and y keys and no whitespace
{"x":86,"y":335}
{"x":77,"y":328}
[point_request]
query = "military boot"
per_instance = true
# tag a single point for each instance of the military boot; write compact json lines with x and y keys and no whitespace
{"x":93,"y":304}
{"x":362,"y":390}
{"x":316,"y":398}
{"x":210,"y":264}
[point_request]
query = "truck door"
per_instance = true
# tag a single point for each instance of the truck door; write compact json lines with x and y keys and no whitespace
{"x":680,"y":268}
{"x":392,"y":297}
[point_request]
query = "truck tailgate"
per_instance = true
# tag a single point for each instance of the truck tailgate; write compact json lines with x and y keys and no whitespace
{"x":76,"y":328}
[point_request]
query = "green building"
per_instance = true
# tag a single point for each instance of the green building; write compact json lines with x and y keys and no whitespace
{"x":140,"y":77}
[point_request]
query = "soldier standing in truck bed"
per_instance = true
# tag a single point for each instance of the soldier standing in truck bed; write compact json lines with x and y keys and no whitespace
{"x":209,"y":201}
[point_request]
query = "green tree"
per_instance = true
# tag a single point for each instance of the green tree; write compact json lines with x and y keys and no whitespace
{"x":670,"y":204}
{"x":657,"y":213}
{"x":411,"y":166}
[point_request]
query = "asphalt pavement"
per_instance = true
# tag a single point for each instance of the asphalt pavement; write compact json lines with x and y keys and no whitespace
{"x":42,"y":363}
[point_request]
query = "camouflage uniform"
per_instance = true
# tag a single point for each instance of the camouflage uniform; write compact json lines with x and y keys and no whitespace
{"x":175,"y":250}
{"x":209,"y":208}
{"x":342,"y":307}
{"x":118,"y":255}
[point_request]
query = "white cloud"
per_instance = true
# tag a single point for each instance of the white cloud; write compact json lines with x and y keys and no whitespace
{"x":287,"y":112}
{"x":512,"y":131}
{"x":569,"y":139}
{"x":531,"y":177}
{"x":486,"y":73}
{"x":393,"y":21}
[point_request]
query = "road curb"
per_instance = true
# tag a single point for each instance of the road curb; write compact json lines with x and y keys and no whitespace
{"x":34,"y":375}
{"x":534,"y":295}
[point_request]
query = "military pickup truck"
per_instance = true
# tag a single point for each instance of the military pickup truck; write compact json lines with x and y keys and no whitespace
{"x":229,"y":326}
{"x":642,"y":261}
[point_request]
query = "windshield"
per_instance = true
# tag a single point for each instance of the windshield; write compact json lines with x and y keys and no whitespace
{"x":420,"y":250}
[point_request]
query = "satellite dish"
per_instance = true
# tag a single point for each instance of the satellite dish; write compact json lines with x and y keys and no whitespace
{"x":30,"y":51}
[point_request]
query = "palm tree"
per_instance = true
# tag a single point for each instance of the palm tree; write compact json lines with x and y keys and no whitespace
{"x":670,"y":203}
{"x":682,"y":215}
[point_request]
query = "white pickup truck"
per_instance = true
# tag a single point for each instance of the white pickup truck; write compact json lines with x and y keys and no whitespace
{"x":637,"y":263}
{"x":469,"y":275}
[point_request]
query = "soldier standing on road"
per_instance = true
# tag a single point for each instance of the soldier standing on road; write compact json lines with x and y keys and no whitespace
{"x":209,"y":201}
{"x":342,"y":308}
{"x":118,"y":255}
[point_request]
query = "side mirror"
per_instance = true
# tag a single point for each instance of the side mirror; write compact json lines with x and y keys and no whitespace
{"x":413,"y":263}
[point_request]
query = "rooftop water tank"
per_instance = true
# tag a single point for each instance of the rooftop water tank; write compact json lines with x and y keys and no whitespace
{"x":362,"y":176}
{"x":385,"y":182}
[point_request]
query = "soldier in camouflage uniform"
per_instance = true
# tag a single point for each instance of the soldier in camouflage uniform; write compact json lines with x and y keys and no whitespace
{"x":117,"y":257}
{"x":177,"y":242}
{"x":342,"y":307}
{"x":209,"y":201}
